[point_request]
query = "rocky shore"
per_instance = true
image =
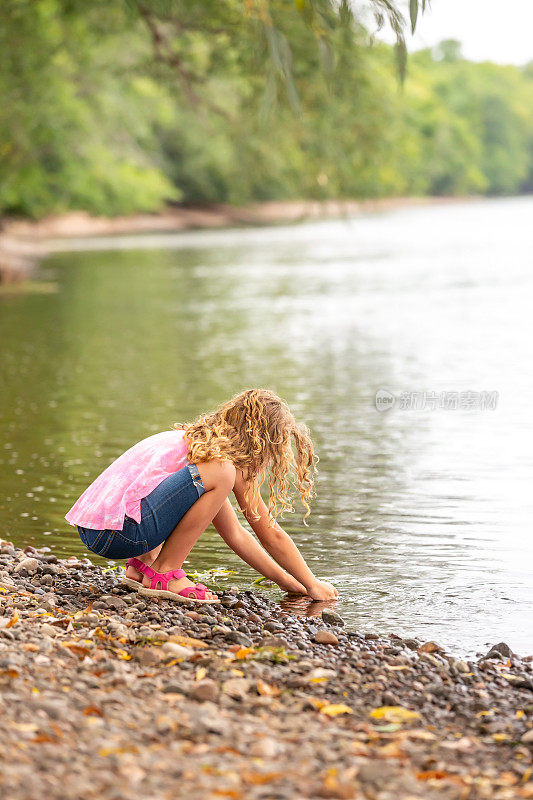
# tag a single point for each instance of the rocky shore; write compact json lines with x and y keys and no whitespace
{"x":108,"y":695}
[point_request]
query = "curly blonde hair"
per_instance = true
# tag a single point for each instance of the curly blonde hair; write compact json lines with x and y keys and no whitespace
{"x":254,"y":430}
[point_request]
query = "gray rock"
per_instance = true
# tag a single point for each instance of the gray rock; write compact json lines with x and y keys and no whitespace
{"x":238,"y":638}
{"x":274,"y":627}
{"x":331,"y":617}
{"x":273,"y":641}
{"x":500,"y":650}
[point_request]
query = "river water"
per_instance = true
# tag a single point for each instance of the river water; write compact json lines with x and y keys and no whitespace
{"x":424,"y":510}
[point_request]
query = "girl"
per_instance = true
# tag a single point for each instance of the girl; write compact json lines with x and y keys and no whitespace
{"x":153,"y":503}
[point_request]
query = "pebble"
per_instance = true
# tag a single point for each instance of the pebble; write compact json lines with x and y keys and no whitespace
{"x":176,"y":650}
{"x":238,"y":638}
{"x":331,"y":617}
{"x":204,"y":690}
{"x":324,"y":636}
{"x":119,"y":681}
{"x":500,"y":650}
{"x":265,"y":748}
{"x":27,"y":564}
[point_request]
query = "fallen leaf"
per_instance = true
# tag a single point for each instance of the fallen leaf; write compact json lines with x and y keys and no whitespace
{"x":10,"y":672}
{"x":187,"y":641}
{"x":391,"y":750}
{"x":44,"y":737}
{"x":123,"y":654}
{"x":111,"y":751}
{"x":201,"y":672}
{"x":14,"y":619}
{"x":92,"y":710}
{"x":317,"y":703}
{"x":397,"y":668}
{"x":77,"y":649}
{"x":244,"y":652}
{"x":394,"y":714}
{"x":259,"y":778}
{"x":431,"y":775}
{"x":265,"y":689}
{"x":335,"y":709}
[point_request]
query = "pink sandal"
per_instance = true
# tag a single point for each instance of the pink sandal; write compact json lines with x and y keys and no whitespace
{"x":131,"y":582}
{"x":195,"y":594}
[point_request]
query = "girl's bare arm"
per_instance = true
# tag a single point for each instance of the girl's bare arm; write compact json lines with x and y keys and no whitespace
{"x":280,"y":545}
{"x":243,"y":543}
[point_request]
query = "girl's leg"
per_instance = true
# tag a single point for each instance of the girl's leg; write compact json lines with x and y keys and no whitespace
{"x":218,"y":478}
{"x":147,"y":558}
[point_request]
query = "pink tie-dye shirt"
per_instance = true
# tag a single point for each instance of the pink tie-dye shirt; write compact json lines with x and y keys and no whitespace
{"x":118,"y":491}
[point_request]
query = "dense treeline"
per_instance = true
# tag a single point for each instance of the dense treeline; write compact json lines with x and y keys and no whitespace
{"x":116,"y":107}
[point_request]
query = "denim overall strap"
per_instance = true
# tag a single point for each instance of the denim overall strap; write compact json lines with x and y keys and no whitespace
{"x":196,"y":479}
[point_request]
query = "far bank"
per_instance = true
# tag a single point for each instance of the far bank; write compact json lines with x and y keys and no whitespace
{"x":24,"y":242}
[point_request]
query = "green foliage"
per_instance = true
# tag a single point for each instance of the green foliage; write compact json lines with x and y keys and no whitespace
{"x":73,"y":130}
{"x":116,"y":107}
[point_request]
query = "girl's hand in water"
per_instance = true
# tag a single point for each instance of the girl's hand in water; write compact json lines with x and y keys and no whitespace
{"x":322,"y":590}
{"x":291,"y":585}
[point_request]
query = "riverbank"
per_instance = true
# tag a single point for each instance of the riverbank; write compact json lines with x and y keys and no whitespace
{"x":24,"y":242}
{"x":107,"y":695}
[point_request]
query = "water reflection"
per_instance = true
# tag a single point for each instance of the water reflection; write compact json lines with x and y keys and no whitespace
{"x":422,"y":518}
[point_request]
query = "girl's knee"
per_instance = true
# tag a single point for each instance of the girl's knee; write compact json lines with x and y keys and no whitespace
{"x":219,"y":475}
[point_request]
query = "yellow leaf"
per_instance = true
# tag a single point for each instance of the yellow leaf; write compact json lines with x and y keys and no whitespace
{"x":500,"y":737}
{"x":201,"y":672}
{"x":238,"y":672}
{"x":335,"y":709}
{"x":244,"y":652}
{"x":520,"y":713}
{"x":187,"y":641}
{"x":395,"y":714}
{"x":123,"y":654}
{"x":320,"y":679}
{"x":317,"y":703}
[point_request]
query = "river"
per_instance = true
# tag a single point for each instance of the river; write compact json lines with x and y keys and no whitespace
{"x":423,"y":511}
